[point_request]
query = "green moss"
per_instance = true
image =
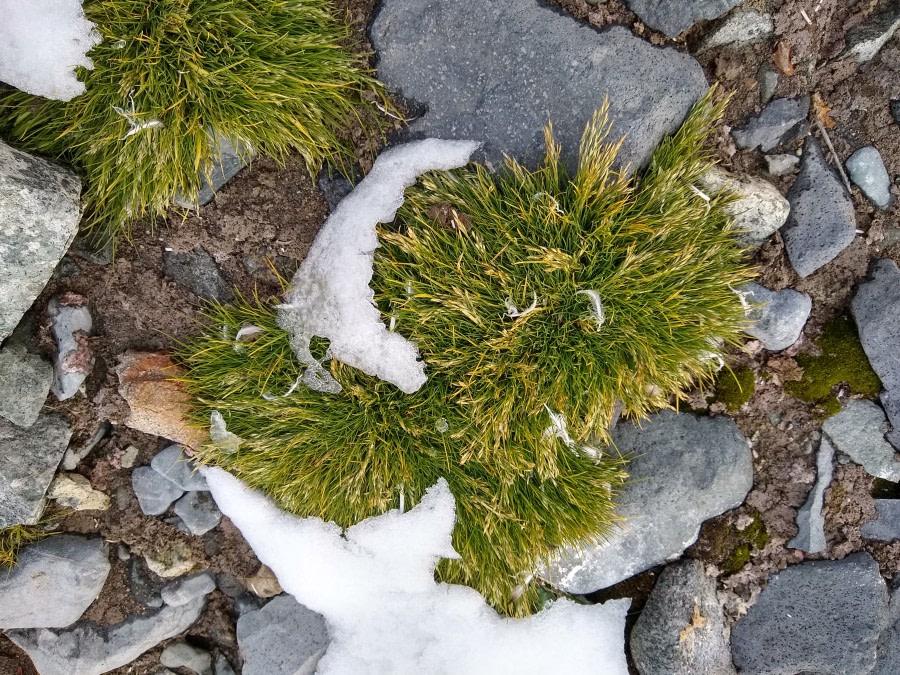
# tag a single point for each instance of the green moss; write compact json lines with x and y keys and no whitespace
{"x":739,"y":557}
{"x":730,"y":549}
{"x":842,"y":361}
{"x":735,"y":387}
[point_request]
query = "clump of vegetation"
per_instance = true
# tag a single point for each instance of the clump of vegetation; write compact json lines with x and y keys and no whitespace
{"x":842,"y":361}
{"x":538,"y":300}
{"x":735,"y":387}
{"x":173,"y":75}
{"x":732,"y":548}
{"x":16,"y":537}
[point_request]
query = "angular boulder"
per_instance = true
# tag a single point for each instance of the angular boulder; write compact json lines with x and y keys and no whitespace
{"x":25,"y":380}
{"x":858,"y":431}
{"x":778,"y":317}
{"x":281,"y":638}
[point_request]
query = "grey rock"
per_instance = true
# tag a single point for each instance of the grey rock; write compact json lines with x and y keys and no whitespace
{"x":886,"y":526}
{"x":40,"y":210}
{"x":183,"y":655}
{"x":778,"y":317}
{"x":822,"y":222}
{"x":810,"y":520}
{"x":684,"y":470}
{"x":197,"y":272}
{"x":891,"y":404}
{"x":673,"y":17}
{"x":781,"y":165}
{"x":867,"y":39}
{"x":281,"y":638}
{"x":876,"y":310}
{"x":183,"y":591}
{"x":759,"y":210}
{"x":781,"y":121}
{"x":482,"y":81}
{"x":895,"y":110}
{"x":180,"y":469}
{"x":681,"y":630}
{"x":858,"y":432}
{"x":820,"y":617}
{"x":145,"y":586}
{"x":334,"y":188}
{"x":198,"y":512}
{"x":54,"y":581}
{"x":888,"y":661}
{"x":866,"y":169}
{"x":740,"y":29}
{"x":226,"y":165}
{"x":89,"y":649}
{"x":74,"y":455}
{"x":222,"y":667}
{"x":154,"y":493}
{"x":767,"y":79}
{"x":71,"y":325}
{"x":28,"y":460}
{"x":25,"y":380}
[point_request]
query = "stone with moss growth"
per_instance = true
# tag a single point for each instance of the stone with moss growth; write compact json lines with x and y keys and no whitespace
{"x":842,"y":361}
{"x":730,"y":547}
{"x":735,"y":387}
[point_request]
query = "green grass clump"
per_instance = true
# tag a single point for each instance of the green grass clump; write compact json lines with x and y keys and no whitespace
{"x":16,"y":537}
{"x":345,"y":457}
{"x":842,"y":361}
{"x":735,"y":387}
{"x":275,"y":75}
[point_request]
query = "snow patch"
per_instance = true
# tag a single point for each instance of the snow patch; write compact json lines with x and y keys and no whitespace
{"x":41,"y":43}
{"x":329,"y":295}
{"x":374,"y":585}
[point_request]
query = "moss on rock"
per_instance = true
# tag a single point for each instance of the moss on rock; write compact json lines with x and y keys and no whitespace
{"x":735,"y":387}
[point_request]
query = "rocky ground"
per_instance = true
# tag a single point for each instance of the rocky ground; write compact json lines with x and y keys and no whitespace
{"x":784,"y":513}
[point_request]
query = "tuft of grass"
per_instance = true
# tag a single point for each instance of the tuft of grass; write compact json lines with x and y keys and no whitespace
{"x":16,"y":537}
{"x":657,"y":254}
{"x":276,"y":76}
{"x":735,"y":387}
{"x":345,"y":457}
{"x":841,"y":361}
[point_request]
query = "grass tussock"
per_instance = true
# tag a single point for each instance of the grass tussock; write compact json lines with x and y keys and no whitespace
{"x":16,"y":537}
{"x":539,"y":300}
{"x":276,"y":76}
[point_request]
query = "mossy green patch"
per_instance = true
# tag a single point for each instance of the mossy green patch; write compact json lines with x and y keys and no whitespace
{"x":730,"y":548}
{"x":735,"y":387}
{"x":842,"y":361}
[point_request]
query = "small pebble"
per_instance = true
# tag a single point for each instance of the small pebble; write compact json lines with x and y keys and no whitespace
{"x":154,"y":493}
{"x":183,"y":655}
{"x":781,"y":165}
{"x":866,"y":169}
{"x":198,"y":512}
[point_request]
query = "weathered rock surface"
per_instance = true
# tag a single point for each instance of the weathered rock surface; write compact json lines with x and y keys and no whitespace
{"x":685,"y":470}
{"x":888,"y":661}
{"x":88,"y":649}
{"x":198,"y":512}
{"x":820,"y":617}
{"x":154,"y":493}
{"x":810,"y":520}
{"x":673,"y":17}
{"x":25,"y":380}
{"x":891,"y":404}
{"x":740,"y":29}
{"x":867,"y":39}
{"x":760,"y":209}
{"x":866,"y":169}
{"x":54,"y":581}
{"x":71,"y":325}
{"x":876,"y":309}
{"x":40,"y":210}
{"x":822,"y":222}
{"x":681,"y":630}
{"x":182,"y":591}
{"x":282,"y":638}
{"x":858,"y":431}
{"x":197,"y":272}
{"x":778,"y":317}
{"x":183,"y":655}
{"x":886,"y":526}
{"x":781,"y":121}
{"x":74,"y":491}
{"x":482,"y":81}
{"x":781,"y":165}
{"x":174,"y":560}
{"x":28,"y":460}
{"x":180,"y":469}
{"x":767,"y":79}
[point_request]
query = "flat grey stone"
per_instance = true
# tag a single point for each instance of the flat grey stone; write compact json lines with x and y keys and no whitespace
{"x":673,"y":17}
{"x":820,"y":617}
{"x":681,"y":630}
{"x":858,"y":432}
{"x":778,"y":317}
{"x":180,"y":469}
{"x":866,"y":40}
{"x":810,"y":520}
{"x":197,"y":272}
{"x":767,"y":79}
{"x":684,"y":470}
{"x":154,"y":493}
{"x":89,"y":649}
{"x":25,"y":380}
{"x":886,"y":526}
{"x":822,"y":222}
{"x":891,"y":404}
{"x":227,"y":164}
{"x":71,"y":325}
{"x":888,"y":662}
{"x":144,"y":585}
{"x":782,"y":165}
{"x":482,"y":80}
{"x":740,"y":29}
{"x":781,"y":121}
{"x":39,"y":210}
{"x":182,"y":591}
{"x":28,"y":460}
{"x":198,"y":512}
{"x":183,"y":655}
{"x":53,"y":582}
{"x":876,"y":310}
{"x":759,"y":210}
{"x":281,"y":638}
{"x":866,"y":169}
